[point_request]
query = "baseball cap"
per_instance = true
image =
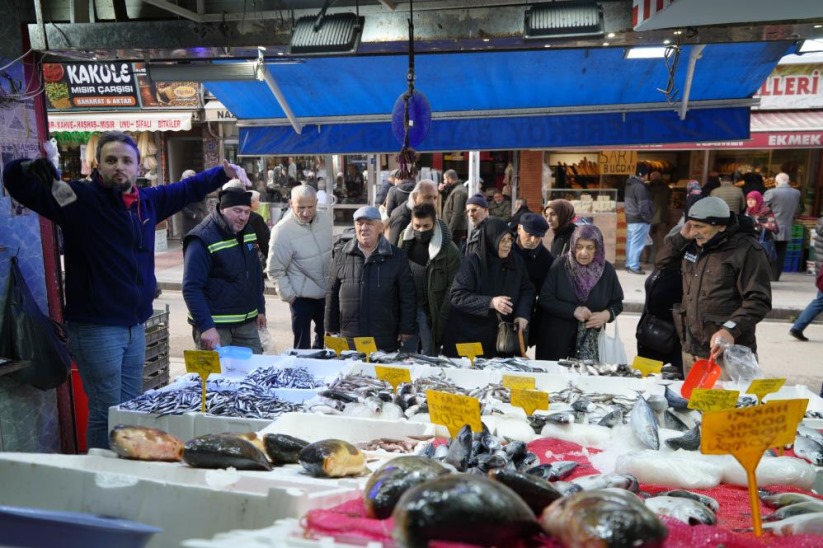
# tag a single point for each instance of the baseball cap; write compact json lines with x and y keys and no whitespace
{"x":367,"y":212}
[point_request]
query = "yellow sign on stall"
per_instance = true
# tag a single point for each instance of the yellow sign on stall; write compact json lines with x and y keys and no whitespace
{"x":707,"y":400}
{"x":516,"y":381}
{"x":647,"y":366}
{"x":204,"y":363}
{"x":617,"y":162}
{"x":338,"y":344}
{"x":762,"y":387}
{"x":393,"y":375}
{"x":530,"y":400}
{"x":365,"y":345}
{"x":470,"y":350}
{"x":454,"y":411}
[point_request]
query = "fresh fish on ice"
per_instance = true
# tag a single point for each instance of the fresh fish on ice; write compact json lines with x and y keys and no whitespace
{"x":705,"y":500}
{"x":798,"y":509}
{"x":804,"y":524}
{"x":644,"y":424}
{"x":689,"y":511}
{"x":690,"y":441}
{"x":808,"y":449}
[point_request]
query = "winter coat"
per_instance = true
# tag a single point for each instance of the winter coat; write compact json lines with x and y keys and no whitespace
{"x":661,"y":194}
{"x":818,"y":245}
{"x":638,"y":201}
{"x":454,"y":209}
{"x":470,"y":318}
{"x":562,"y":240}
{"x":300,"y":257}
{"x":538,"y":261}
{"x":732,"y":195}
{"x":262,"y":232}
{"x":401,"y":218}
{"x":444,"y":260}
{"x":726,"y":279}
{"x":398,"y":195}
{"x":192,"y":215}
{"x":222,"y":278}
{"x":515,"y":220}
{"x":557,"y":338}
{"x":109,"y":249}
{"x":785,"y":203}
{"x":371,"y":297}
{"x":502,"y":211}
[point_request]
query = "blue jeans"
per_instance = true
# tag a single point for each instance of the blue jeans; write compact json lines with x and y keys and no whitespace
{"x":809,"y":313}
{"x":110,"y":361}
{"x":424,"y":338}
{"x":636,"y":234}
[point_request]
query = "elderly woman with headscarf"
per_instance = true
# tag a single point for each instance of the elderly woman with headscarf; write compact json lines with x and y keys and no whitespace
{"x":765,"y":223}
{"x":560,"y":214}
{"x":580,"y":295}
{"x":491,"y":285}
{"x":693,"y":193}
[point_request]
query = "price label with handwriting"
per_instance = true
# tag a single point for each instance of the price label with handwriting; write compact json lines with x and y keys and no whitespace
{"x":454,"y":411}
{"x":338,"y":344}
{"x":365,"y":345}
{"x":763,"y":387}
{"x":516,"y":381}
{"x":202,"y":362}
{"x":530,"y":400}
{"x":469,"y":350}
{"x":706,"y":400}
{"x":393,"y":375}
{"x":647,"y":366}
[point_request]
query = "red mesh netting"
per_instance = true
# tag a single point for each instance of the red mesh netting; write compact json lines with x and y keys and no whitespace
{"x":348,"y":522}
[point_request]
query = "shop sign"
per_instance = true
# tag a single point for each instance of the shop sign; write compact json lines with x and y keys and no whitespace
{"x":759,"y":140}
{"x":792,"y":87}
{"x":117,"y":85}
{"x":216,"y":112}
{"x":617,"y":162}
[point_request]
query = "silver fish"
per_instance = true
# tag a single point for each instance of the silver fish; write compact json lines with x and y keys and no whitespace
{"x":644,"y":424}
{"x":689,"y":511}
{"x":602,"y":481}
{"x":675,"y":400}
{"x":804,"y":524}
{"x":808,"y":449}
{"x":705,"y":500}
{"x":690,"y":441}
{"x":553,"y":471}
{"x":460,"y":449}
{"x":795,"y":510}
{"x":657,"y":402}
{"x":673,"y":422}
{"x":810,"y":433}
{"x":612,"y":418}
{"x":780,"y":500}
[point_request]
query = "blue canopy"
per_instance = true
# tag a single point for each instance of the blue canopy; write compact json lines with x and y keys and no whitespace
{"x":546,"y":98}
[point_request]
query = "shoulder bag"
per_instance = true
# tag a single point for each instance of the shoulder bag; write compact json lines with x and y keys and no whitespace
{"x":507,"y":341}
{"x":656,"y":334}
{"x":768,"y":245}
{"x":611,"y":348}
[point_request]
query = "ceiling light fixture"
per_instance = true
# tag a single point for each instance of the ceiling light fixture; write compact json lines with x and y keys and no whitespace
{"x":645,"y":53}
{"x":564,"y":19}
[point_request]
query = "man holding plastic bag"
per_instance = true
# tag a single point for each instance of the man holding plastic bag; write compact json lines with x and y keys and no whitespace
{"x":726,"y":288}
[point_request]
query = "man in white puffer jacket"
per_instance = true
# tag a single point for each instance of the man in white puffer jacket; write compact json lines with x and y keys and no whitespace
{"x":299,"y":264}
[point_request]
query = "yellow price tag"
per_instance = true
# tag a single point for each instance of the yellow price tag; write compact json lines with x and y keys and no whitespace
{"x":365,"y":345}
{"x":393,"y":375}
{"x":530,"y":400}
{"x":746,"y":433}
{"x":713,"y":400}
{"x":516,"y":381}
{"x":204,"y":363}
{"x":454,"y":411}
{"x":646,"y":365}
{"x":762,"y":387}
{"x":338,"y":344}
{"x":469,"y":350}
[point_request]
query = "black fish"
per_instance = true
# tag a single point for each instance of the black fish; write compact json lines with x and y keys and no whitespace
{"x":690,"y":441}
{"x":675,"y":400}
{"x":535,"y":491}
{"x":388,"y":483}
{"x":553,"y":471}
{"x":283,"y":449}
{"x":460,"y":449}
{"x":223,"y":451}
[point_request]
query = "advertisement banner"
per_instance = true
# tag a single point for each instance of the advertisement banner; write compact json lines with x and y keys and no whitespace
{"x":792,"y":87}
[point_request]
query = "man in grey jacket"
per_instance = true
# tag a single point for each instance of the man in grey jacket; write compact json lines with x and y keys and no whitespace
{"x":639,"y":213}
{"x":455,"y":196}
{"x":299,"y":264}
{"x":785,"y":203}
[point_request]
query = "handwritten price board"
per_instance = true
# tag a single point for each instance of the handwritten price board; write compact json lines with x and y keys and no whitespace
{"x":365,"y":345}
{"x":530,"y":400}
{"x":338,"y":344}
{"x":516,"y":381}
{"x":204,"y":363}
{"x":763,"y":387}
{"x":393,"y":375}
{"x":469,"y":350}
{"x":707,"y":400}
{"x":454,"y":411}
{"x":647,"y":366}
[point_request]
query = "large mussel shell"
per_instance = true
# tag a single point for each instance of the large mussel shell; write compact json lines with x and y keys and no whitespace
{"x":223,"y":451}
{"x":283,"y":449}
{"x":332,"y":459}
{"x":535,"y":491}
{"x":388,"y":483}
{"x":461,"y":507}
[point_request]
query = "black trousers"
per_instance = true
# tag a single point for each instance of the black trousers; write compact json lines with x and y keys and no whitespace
{"x":777,"y":265}
{"x":304,"y":311}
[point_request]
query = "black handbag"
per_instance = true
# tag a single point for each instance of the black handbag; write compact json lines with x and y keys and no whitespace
{"x":656,"y":334}
{"x":767,"y":242}
{"x":508,"y":343}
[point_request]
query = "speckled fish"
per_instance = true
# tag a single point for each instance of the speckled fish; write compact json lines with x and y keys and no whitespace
{"x":804,"y":524}
{"x":688,"y":511}
{"x":675,"y":400}
{"x":595,"y":482}
{"x":465,"y":508}
{"x":535,"y":491}
{"x":779,"y":500}
{"x":808,"y":449}
{"x":144,"y":443}
{"x":388,"y":483}
{"x":553,"y":471}
{"x":332,"y":459}
{"x":811,"y":433}
{"x":283,"y":449}
{"x":705,"y":500}
{"x":606,"y":518}
{"x":644,"y":424}
{"x":690,"y":441}
{"x":460,"y":449}
{"x":224,"y":451}
{"x":612,"y":418}
{"x":795,"y":510}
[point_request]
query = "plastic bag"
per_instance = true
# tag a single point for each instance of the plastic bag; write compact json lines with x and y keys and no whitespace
{"x":30,"y":335}
{"x":611,"y":348}
{"x":740,"y":364}
{"x":266,"y":341}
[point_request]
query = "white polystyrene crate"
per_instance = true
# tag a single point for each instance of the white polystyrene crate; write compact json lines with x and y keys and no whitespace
{"x":285,"y":533}
{"x":313,"y":427}
{"x":215,"y":424}
{"x":470,"y":378}
{"x":182,"y":501}
{"x":415,"y":371}
{"x":181,"y":426}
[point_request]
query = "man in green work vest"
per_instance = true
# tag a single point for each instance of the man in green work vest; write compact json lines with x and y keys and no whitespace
{"x":222,"y":278}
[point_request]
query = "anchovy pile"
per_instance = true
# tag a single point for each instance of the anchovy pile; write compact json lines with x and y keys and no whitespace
{"x":282,"y":377}
{"x":592,"y":368}
{"x":507,"y":364}
{"x":412,"y":359}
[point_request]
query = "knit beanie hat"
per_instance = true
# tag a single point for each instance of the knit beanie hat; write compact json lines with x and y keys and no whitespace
{"x":478,"y":200}
{"x":711,"y":210}
{"x":234,"y":197}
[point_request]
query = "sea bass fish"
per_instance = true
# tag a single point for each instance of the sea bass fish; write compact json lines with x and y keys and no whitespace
{"x":644,"y":424}
{"x":804,"y":524}
{"x":689,"y":511}
{"x":145,"y":443}
{"x":808,"y":449}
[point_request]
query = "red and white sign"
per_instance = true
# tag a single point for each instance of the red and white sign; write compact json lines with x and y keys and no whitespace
{"x":132,"y":121}
{"x":764,"y":140}
{"x":643,"y":10}
{"x":792,"y":87}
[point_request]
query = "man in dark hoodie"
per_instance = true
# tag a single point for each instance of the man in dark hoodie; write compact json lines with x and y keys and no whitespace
{"x":639,"y":213}
{"x":399,"y":193}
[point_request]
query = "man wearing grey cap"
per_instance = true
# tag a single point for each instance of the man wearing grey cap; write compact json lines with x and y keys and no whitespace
{"x":371,"y":291}
{"x":726,"y":289}
{"x":222,"y":278}
{"x":529,"y":245}
{"x":477,"y":211}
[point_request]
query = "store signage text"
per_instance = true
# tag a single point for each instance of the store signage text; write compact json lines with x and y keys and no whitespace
{"x":133,"y":124}
{"x":617,"y":162}
{"x":791,"y":87}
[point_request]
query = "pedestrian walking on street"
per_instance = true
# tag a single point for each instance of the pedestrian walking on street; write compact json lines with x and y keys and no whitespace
{"x":785,"y":203}
{"x":639,"y":214}
{"x":814,"y":308}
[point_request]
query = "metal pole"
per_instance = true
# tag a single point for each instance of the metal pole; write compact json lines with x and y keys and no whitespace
{"x":697,"y":53}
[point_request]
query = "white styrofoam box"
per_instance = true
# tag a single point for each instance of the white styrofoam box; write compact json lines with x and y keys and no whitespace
{"x":471,"y":378}
{"x":363,"y":368}
{"x":236,"y":369}
{"x":214,"y":424}
{"x":285,"y":533}
{"x":313,"y":427}
{"x":181,"y":426}
{"x":171,"y":496}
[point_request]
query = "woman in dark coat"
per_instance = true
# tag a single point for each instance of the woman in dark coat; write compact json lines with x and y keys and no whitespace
{"x":664,"y":289}
{"x":580,"y":295}
{"x":491,"y":283}
{"x":560,"y":214}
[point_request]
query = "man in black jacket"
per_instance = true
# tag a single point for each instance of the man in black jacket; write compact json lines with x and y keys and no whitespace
{"x":639,"y":213}
{"x":371,"y":291}
{"x":529,"y":245}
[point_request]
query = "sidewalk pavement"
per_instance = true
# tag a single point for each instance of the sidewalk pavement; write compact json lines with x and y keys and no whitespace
{"x":789,"y":296}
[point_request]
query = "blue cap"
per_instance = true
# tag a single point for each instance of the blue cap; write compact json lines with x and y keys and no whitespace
{"x":534,"y":224}
{"x":367,"y":212}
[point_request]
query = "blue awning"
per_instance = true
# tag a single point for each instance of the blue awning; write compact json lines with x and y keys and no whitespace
{"x":502,"y":100}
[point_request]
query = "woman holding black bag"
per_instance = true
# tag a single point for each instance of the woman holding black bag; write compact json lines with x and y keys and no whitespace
{"x":656,"y":336}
